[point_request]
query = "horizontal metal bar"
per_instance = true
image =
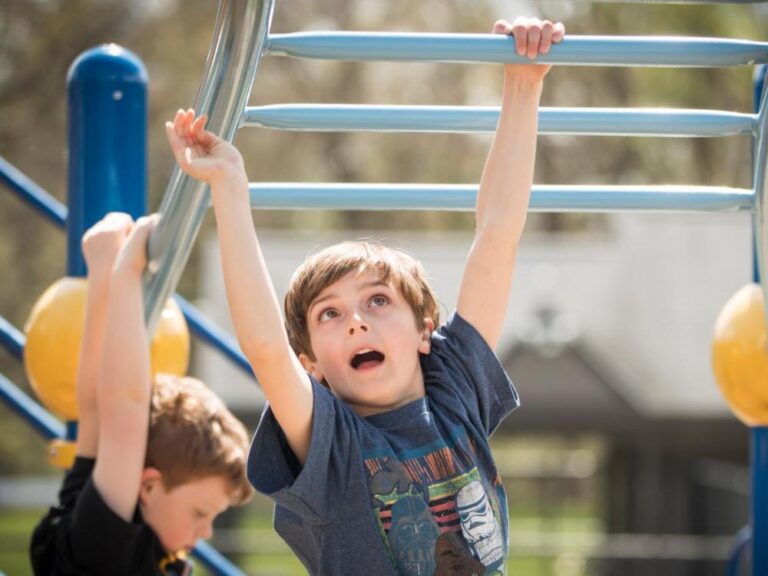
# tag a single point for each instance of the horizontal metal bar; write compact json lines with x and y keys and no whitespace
{"x":214,"y":560}
{"x":213,"y":335}
{"x":585,"y":121}
{"x":679,"y":1}
{"x":32,"y":193}
{"x":545,"y":198}
{"x":35,"y":415}
{"x":11,"y":338}
{"x":673,"y":51}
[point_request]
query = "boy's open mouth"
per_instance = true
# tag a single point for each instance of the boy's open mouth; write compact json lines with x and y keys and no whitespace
{"x":366,"y":359}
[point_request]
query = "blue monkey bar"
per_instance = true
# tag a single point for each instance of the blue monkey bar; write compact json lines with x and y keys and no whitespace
{"x":467,"y":48}
{"x":461,"y":197}
{"x":585,"y":121}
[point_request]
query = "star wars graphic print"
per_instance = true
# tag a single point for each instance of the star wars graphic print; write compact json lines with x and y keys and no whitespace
{"x":436,"y":514}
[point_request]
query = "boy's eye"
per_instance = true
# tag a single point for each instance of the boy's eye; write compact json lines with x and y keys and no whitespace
{"x":327,"y":314}
{"x":379,"y":300}
{"x":199,"y":514}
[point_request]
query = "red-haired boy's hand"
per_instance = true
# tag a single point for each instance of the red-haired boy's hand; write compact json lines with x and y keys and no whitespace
{"x":102,"y":242}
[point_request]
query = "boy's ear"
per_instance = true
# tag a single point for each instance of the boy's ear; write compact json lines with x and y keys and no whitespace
{"x":310,"y":366}
{"x":151,"y":481}
{"x":425,"y":345}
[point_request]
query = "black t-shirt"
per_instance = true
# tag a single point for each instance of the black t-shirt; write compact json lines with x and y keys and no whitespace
{"x":84,"y":536}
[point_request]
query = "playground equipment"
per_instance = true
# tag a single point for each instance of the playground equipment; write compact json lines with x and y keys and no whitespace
{"x":54,"y":333}
{"x":739,"y":356}
{"x":114,"y":79}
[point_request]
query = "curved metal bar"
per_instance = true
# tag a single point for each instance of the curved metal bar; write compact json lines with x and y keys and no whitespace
{"x":239,"y":37}
{"x":32,"y":193}
{"x":591,"y":121}
{"x":213,"y":335}
{"x":336,"y":196}
{"x":35,"y":415}
{"x":574,"y":50}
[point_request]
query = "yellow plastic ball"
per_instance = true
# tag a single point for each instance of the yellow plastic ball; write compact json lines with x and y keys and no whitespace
{"x":61,"y":453}
{"x":54,"y":335}
{"x":740,"y":356}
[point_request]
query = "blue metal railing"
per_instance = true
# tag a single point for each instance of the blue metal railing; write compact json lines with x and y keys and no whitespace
{"x":544,"y":198}
{"x":467,"y":48}
{"x":584,"y":121}
{"x":56,"y":212}
{"x":34,"y":414}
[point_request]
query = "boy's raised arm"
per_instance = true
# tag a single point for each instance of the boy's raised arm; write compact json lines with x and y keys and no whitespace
{"x":124,"y":383}
{"x":252,"y":300}
{"x":101,"y":244}
{"x":505,"y":186}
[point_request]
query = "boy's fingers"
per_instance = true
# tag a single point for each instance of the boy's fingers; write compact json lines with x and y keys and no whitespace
{"x":119,"y":221}
{"x":558,"y":32}
{"x":198,"y":124}
{"x":502,"y":27}
{"x":520,"y":31}
{"x":206,"y":138}
{"x":143,"y":228}
{"x":546,"y":37}
{"x":177,"y":145}
{"x":534,"y":35}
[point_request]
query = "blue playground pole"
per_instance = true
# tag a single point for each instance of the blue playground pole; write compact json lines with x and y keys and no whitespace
{"x":107,"y":134}
{"x":759,"y":455}
{"x":107,"y":107}
{"x":759,"y":501}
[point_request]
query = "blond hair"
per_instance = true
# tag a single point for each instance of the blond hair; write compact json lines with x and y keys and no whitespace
{"x":333,"y":263}
{"x":192,"y":435}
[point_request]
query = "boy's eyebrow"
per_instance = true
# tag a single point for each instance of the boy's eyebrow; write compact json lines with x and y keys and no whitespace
{"x":332,"y":295}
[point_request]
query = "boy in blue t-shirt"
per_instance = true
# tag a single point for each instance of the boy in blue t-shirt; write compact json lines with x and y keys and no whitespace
{"x":374,"y":445}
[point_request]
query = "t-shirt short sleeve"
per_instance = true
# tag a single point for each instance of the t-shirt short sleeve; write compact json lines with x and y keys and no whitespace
{"x":313,"y":491}
{"x":462,"y":374}
{"x":100,"y":539}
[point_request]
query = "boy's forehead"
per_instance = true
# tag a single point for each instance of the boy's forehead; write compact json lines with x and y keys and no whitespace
{"x":360,"y":278}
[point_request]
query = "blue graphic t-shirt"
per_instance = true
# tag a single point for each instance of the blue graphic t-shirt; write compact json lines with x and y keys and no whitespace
{"x":410,"y":492}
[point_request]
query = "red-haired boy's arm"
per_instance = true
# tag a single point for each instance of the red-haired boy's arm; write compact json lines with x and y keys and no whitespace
{"x":124,"y":384}
{"x":100,"y":244}
{"x":505,"y":186}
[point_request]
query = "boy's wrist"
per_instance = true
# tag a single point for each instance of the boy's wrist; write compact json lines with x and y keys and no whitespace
{"x":523,"y":77}
{"x":230,"y":185}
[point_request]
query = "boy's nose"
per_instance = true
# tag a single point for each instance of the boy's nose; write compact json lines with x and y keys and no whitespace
{"x":205,"y":531}
{"x":357,"y":324}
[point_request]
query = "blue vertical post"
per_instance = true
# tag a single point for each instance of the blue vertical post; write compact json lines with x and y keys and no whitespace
{"x":107,"y":135}
{"x":759,"y":500}
{"x":759,"y":454}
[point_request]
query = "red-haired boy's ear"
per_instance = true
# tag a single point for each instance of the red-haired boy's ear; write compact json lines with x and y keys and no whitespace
{"x":425,"y":345}
{"x":151,"y":480}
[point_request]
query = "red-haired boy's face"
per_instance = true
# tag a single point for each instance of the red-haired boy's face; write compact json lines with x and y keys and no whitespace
{"x":184,"y":514}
